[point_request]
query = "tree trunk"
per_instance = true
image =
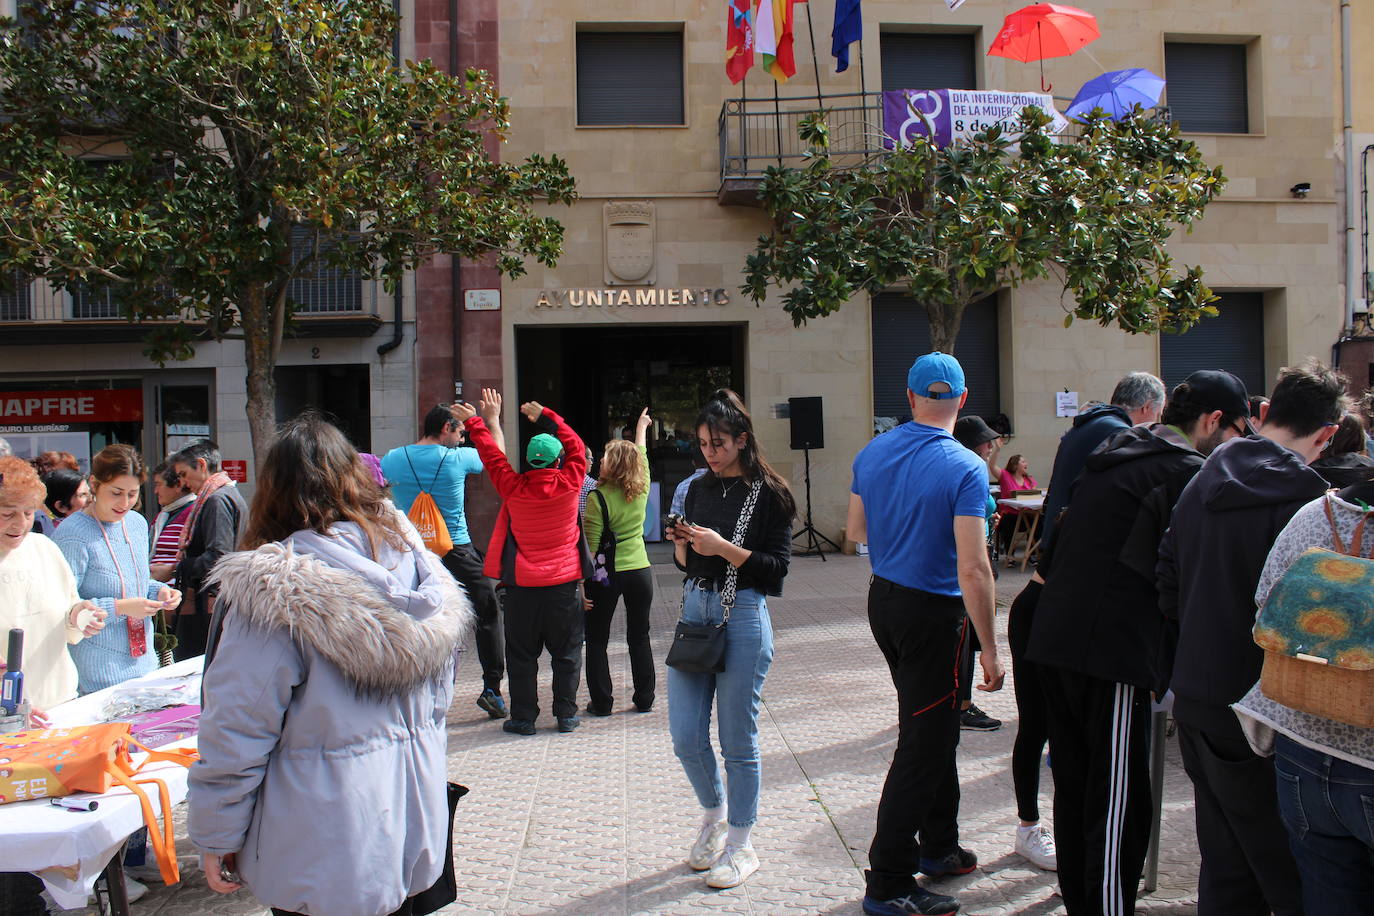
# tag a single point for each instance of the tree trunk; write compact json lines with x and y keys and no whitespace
{"x":259,"y":360}
{"x":945,"y":318}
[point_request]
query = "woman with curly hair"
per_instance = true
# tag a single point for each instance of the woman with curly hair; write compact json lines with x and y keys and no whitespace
{"x":618,"y":505}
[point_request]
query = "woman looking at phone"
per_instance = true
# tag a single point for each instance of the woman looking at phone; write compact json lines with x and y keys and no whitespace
{"x":618,"y":504}
{"x":738,"y":478}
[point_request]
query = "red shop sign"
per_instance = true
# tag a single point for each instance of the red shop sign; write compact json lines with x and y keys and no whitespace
{"x":236,"y":468}
{"x":123,"y":405}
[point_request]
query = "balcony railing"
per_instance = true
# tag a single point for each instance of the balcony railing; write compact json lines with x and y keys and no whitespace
{"x":758,"y":132}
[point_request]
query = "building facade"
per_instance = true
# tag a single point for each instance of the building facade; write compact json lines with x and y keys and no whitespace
{"x":644,"y":306}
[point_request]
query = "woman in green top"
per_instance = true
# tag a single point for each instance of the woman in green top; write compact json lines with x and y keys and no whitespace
{"x":618,"y":503}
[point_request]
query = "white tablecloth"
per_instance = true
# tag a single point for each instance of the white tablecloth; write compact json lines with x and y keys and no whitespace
{"x":69,"y":849}
{"x":1034,"y":503}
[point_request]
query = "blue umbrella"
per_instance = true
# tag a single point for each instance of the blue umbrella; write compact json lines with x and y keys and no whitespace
{"x":1117,"y":92}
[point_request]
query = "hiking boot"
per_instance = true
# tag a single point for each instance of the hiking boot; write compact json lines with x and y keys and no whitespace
{"x":710,"y":843}
{"x":568,"y":723}
{"x":1036,"y":844}
{"x":518,"y":726}
{"x":974,"y":719}
{"x":733,"y":868}
{"x":491,"y":703}
{"x":920,"y":901}
{"x":959,"y":862}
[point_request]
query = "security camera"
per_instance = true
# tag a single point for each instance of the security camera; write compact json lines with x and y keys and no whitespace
{"x":1301,"y":189}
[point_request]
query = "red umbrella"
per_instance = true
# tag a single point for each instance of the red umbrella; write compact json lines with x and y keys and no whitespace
{"x":1044,"y":30}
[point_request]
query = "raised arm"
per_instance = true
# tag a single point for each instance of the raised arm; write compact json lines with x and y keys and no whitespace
{"x":574,"y":449}
{"x":489,"y":408}
{"x":642,"y":428}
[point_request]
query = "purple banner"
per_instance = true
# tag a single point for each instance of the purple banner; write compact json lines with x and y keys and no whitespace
{"x":947,"y":115}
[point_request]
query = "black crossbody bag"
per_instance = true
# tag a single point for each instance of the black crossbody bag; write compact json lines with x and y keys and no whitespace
{"x":700,"y":648}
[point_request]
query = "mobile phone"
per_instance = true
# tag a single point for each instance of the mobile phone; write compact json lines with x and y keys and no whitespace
{"x":673,"y":520}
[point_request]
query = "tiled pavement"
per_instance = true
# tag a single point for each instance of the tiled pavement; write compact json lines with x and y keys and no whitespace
{"x":597,"y":822}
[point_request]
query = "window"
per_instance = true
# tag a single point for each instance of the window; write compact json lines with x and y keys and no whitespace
{"x":629,"y":78}
{"x":1207,"y":87}
{"x":901,"y":332}
{"x":14,"y":296}
{"x":322,"y":288}
{"x":1233,"y":340}
{"x":919,"y":60}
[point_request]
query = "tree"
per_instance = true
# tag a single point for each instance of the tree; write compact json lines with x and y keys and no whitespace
{"x":958,"y":223}
{"x":227,"y":130}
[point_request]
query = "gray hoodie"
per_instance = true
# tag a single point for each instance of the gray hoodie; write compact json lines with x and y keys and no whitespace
{"x":323,"y":746}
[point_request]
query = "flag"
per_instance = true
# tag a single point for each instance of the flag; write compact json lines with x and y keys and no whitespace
{"x":773,"y":22}
{"x":739,"y":39}
{"x":849,"y":27}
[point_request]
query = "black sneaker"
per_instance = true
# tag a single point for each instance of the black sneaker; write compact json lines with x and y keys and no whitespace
{"x":974,"y":719}
{"x":569,"y":723}
{"x":491,"y":703}
{"x":920,"y":901}
{"x":592,"y":710}
{"x":518,"y":726}
{"x":959,"y":862}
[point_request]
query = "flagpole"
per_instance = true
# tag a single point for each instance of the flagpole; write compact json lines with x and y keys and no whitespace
{"x":777,"y":119}
{"x":815,"y":62}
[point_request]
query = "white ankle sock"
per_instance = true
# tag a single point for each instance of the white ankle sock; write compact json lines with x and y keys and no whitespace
{"x":711,"y":816}
{"x":738,"y":837}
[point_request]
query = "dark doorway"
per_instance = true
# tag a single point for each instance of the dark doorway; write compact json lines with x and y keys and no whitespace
{"x":341,"y":393}
{"x":599,"y":378}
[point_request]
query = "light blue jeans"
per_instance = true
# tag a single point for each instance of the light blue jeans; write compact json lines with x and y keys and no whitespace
{"x":736,"y":692}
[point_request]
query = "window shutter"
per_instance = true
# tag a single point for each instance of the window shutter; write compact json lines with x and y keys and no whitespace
{"x":322,"y":288}
{"x":1207,"y":91}
{"x":14,"y":296}
{"x":926,"y":61}
{"x":629,"y":78}
{"x":901,"y":332}
{"x":1233,"y":340}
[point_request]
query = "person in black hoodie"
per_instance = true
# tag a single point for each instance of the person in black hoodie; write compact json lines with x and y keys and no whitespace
{"x":1209,"y":564}
{"x":1345,"y":461}
{"x":1137,"y":400}
{"x":1097,"y":629}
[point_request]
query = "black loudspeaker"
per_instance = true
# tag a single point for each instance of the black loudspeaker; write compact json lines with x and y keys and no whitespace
{"x":808,"y":424}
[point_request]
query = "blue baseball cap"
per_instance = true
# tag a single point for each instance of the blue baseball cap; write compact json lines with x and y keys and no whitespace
{"x":935,"y":368}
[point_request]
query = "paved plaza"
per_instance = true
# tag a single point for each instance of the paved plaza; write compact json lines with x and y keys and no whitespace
{"x":598,"y":821}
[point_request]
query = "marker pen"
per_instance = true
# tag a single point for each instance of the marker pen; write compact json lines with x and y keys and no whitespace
{"x":72,"y":803}
{"x":12,"y":683}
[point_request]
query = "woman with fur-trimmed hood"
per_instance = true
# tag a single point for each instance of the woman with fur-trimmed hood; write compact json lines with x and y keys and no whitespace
{"x":321,"y":785}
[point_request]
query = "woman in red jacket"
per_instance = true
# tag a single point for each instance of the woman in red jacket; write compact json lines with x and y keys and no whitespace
{"x":538,"y":552}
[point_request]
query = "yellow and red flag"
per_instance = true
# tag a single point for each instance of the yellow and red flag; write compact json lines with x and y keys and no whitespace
{"x":773,"y":25}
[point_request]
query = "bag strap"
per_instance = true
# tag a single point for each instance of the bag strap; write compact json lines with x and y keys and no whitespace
{"x":605,"y":512}
{"x":1356,"y":537}
{"x":413,"y":473}
{"x":746,"y":513}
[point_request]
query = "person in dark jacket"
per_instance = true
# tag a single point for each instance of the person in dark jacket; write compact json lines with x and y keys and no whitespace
{"x":1137,"y":399}
{"x":1345,"y":461}
{"x":538,"y":553}
{"x":212,"y":530}
{"x":1096,"y":633}
{"x":1209,"y":564}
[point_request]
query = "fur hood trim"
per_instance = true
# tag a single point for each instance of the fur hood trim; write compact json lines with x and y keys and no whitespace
{"x":378,"y":647}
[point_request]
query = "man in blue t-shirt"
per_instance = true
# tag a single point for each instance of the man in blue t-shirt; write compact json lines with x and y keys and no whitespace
{"x":438,"y":466}
{"x":919,"y":500}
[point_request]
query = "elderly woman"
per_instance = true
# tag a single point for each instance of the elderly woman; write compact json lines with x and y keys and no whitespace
{"x":321,"y":784}
{"x":37,"y":594}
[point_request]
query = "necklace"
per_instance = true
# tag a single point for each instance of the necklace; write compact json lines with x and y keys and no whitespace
{"x":138,"y":638}
{"x":726,"y":488}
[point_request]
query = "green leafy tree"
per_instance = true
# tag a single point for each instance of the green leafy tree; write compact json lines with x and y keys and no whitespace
{"x":230,"y":129}
{"x":1094,"y":211}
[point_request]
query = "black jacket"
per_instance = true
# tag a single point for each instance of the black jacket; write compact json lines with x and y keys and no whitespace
{"x":1210,"y":562}
{"x":1344,"y":470}
{"x":1090,"y":429}
{"x":1099,"y":612}
{"x":218,"y":528}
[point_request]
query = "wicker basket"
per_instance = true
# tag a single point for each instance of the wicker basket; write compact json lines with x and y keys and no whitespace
{"x":1322,"y":690}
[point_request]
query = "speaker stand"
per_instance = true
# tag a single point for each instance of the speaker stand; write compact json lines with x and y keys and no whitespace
{"x":813,"y":537}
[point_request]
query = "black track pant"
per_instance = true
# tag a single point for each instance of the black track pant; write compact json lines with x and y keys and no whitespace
{"x":1247,"y":866}
{"x":637,"y":587}
{"x":1099,"y":738}
{"x":921,"y":636}
{"x":464,"y":563}
{"x":1032,"y":730}
{"x":538,"y":618}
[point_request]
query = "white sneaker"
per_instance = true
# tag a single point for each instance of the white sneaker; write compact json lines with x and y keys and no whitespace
{"x":733,"y":867}
{"x":147,"y":874}
{"x":708,"y":847}
{"x":136,"y":890}
{"x":1036,"y":844}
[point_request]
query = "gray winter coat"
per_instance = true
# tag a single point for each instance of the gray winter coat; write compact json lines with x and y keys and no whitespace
{"x":322,"y":739}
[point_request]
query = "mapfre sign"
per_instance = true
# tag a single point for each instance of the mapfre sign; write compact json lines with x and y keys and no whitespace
{"x":97,"y":406}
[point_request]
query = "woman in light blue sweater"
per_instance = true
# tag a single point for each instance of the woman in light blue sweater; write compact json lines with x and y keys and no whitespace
{"x":107,"y":548}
